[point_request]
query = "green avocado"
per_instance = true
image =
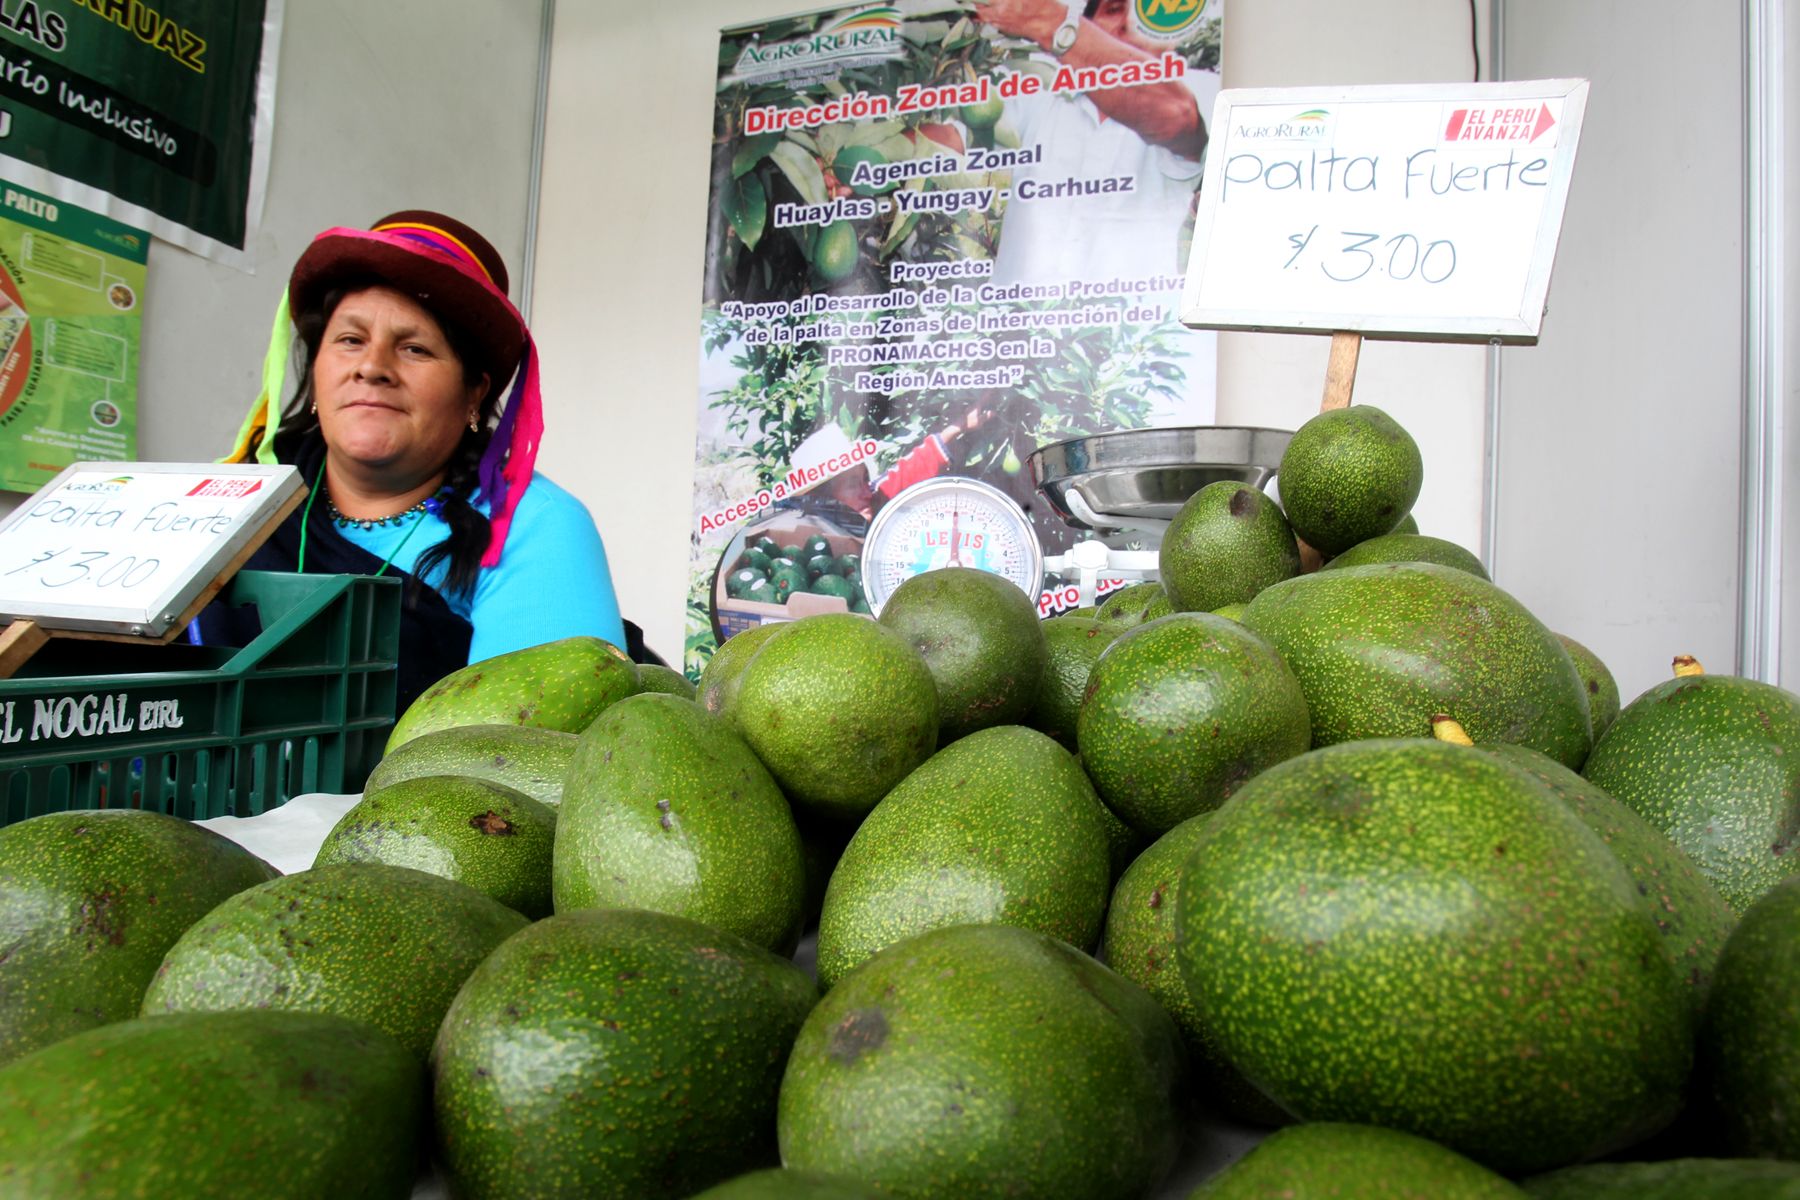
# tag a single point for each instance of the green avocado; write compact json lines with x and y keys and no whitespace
{"x":1071,"y":644}
{"x":1133,"y":605}
{"x":1409,"y":547}
{"x":786,"y":579}
{"x":1347,"y":475}
{"x":847,"y":565}
{"x":1671,"y":1179}
{"x":980,"y":636}
{"x":740,"y":580}
{"x":1180,"y":712}
{"x":210,"y":1106}
{"x":1408,"y":524}
{"x":835,"y":585}
{"x":654,"y":677}
{"x":1139,"y":944}
{"x":815,"y":545}
{"x":614,"y":1054}
{"x":519,"y":757}
{"x":1693,"y":916}
{"x":817,"y":565}
{"x":665,"y":808}
{"x":844,"y":165}
{"x":1602,"y":689}
{"x":766,"y":544}
{"x":1714,"y":762}
{"x":755,"y":559}
{"x":1227,"y":543}
{"x":839,"y":709}
{"x":717,"y":689}
{"x":1479,"y":969}
{"x":89,"y":904}
{"x":1354,"y":1162}
{"x":982,"y":1061}
{"x":999,"y":827}
{"x":377,"y":943}
{"x":485,"y":834}
{"x":1750,"y":1038}
{"x":1380,"y":650}
{"x":558,"y":685}
{"x":835,"y":256}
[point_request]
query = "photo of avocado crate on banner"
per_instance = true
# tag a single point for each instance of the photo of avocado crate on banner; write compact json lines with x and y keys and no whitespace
{"x":939,"y":240}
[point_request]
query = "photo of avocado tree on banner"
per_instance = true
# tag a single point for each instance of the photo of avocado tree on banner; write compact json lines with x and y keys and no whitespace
{"x":942,"y":233}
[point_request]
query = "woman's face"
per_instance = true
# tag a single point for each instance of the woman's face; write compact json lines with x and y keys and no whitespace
{"x":390,"y":390}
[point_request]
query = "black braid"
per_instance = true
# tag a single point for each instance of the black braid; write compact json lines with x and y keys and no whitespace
{"x":470,"y":530}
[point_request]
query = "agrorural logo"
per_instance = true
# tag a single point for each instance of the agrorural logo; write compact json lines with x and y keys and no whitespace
{"x":1307,"y":125}
{"x":864,"y":34}
{"x":114,"y":484}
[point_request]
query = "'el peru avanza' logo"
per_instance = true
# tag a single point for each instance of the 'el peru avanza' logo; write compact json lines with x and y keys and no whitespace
{"x":867,"y":34}
{"x":1166,"y":20}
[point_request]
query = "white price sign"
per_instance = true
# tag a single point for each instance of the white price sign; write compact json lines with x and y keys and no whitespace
{"x":1428,"y":211}
{"x":126,"y":548}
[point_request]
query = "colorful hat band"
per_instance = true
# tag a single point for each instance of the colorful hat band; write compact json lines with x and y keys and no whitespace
{"x":444,"y":242}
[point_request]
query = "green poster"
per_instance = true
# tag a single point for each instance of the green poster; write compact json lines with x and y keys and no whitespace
{"x":71,"y":304}
{"x":154,"y":114}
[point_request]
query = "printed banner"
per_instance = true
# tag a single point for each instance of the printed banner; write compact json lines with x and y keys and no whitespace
{"x":942,"y":234}
{"x":154,"y":115}
{"x":71,"y":297}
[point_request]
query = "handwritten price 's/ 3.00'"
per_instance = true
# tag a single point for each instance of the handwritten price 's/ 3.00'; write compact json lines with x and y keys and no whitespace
{"x":99,"y":568}
{"x":1359,"y":252}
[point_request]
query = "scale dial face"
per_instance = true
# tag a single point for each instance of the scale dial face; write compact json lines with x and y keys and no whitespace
{"x":950,"y":522}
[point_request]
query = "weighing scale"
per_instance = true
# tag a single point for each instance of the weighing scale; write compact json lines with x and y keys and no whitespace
{"x":1132,"y":480}
{"x":1137,"y":480}
{"x":950,"y":521}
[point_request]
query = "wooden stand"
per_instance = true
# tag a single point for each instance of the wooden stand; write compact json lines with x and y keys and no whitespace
{"x":1340,"y":382}
{"x":1340,"y":372}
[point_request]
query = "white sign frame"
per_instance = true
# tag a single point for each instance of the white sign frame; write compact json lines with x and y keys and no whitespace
{"x":1228,"y":296}
{"x":225,"y":529}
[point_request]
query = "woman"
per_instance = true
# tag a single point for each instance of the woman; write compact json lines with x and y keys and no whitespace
{"x":415,"y":468}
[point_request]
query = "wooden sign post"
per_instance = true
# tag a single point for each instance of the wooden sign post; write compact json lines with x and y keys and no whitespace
{"x":131,"y":551}
{"x":1419,"y":213}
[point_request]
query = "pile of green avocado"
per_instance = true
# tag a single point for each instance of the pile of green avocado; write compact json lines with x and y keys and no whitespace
{"x":769,"y":572}
{"x":1363,"y":855}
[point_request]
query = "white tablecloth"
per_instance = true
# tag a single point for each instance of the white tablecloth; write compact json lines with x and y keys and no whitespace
{"x":289,"y":837}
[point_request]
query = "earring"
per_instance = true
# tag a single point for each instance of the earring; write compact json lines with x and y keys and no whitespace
{"x":474,"y":422}
{"x":315,"y":407}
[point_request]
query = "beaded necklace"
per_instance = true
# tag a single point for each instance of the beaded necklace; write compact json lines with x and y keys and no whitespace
{"x":432,"y":504}
{"x":344,"y":522}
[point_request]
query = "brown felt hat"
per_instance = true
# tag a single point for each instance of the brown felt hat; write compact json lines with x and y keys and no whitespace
{"x":446,"y":266}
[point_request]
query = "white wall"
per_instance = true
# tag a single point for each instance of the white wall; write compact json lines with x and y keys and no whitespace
{"x":1436,"y":392}
{"x":1618,"y":500}
{"x":379,"y":107}
{"x":401,"y":104}
{"x":621,"y":234}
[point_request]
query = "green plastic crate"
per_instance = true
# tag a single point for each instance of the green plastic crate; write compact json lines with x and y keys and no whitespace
{"x":305,"y":707}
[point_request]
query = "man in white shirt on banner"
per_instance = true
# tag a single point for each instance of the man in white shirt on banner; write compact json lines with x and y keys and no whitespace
{"x":1120,"y":165}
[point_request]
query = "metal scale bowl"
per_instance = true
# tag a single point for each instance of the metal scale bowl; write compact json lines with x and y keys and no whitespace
{"x":1137,"y":480}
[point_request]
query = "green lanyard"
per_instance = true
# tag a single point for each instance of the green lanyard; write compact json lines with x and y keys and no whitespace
{"x":306,"y":519}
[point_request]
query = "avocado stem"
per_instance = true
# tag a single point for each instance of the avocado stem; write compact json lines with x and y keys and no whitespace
{"x":1448,"y":729}
{"x":1687,"y":664}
